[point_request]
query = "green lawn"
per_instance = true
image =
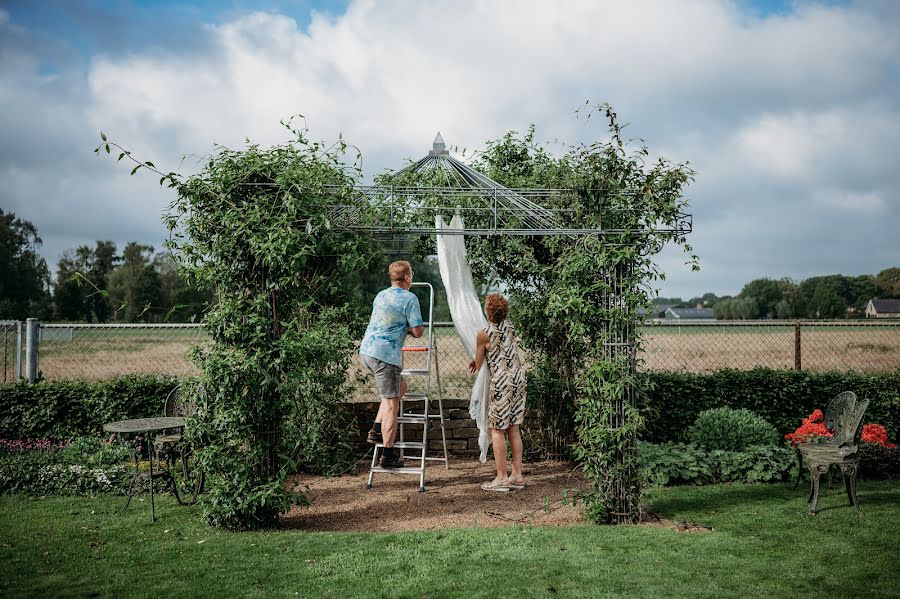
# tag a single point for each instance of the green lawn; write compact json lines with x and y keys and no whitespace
{"x":764,"y":544}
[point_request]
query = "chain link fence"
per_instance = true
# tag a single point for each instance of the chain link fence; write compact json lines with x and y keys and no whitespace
{"x":703,"y":346}
{"x":99,"y":352}
{"x":96,"y":352}
{"x":12,"y":337}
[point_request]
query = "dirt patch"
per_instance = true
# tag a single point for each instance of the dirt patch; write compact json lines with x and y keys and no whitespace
{"x":452,"y":499}
{"x":660,"y":521}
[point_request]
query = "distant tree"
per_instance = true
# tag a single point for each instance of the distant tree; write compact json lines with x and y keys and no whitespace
{"x":887,"y":283}
{"x":825,"y":302}
{"x":181,"y":301}
{"x":103,"y":261}
{"x":24,"y":276}
{"x":859,"y":291}
{"x":82,"y":276}
{"x":790,"y":305}
{"x":723,"y":309}
{"x":364,"y":285}
{"x":766,"y":293}
{"x":731,"y":308}
{"x":70,"y":292}
{"x":136,"y":285}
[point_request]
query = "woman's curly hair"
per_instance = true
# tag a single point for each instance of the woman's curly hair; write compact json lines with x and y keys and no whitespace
{"x":496,"y":307}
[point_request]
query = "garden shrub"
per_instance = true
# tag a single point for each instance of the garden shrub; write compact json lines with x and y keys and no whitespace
{"x":879,"y":461}
{"x":64,"y":410}
{"x":782,"y":397}
{"x":86,"y":466}
{"x":689,"y":463}
{"x":731,"y":430}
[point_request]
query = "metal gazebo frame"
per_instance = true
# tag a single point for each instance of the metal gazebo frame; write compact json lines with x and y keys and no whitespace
{"x":495,"y":210}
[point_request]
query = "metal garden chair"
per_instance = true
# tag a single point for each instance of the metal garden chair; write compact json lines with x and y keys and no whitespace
{"x":173,"y":447}
{"x":841,"y":449}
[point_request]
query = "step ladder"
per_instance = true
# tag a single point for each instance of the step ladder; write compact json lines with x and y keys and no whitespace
{"x":424,"y":417}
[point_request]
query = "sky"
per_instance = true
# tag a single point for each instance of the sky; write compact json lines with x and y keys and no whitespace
{"x":789,"y":112}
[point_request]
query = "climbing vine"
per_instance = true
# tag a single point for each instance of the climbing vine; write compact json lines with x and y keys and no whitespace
{"x":254,"y":225}
{"x":578,"y":300}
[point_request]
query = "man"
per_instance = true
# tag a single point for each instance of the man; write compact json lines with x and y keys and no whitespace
{"x":395,"y":312}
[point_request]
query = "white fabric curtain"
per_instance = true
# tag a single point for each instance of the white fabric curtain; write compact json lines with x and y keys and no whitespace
{"x":468,"y":317}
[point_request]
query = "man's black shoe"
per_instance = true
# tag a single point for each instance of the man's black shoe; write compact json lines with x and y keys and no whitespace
{"x":391,"y":459}
{"x":374,"y":438}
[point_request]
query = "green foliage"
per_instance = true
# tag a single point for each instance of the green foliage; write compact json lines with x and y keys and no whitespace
{"x":887,"y":283}
{"x":607,"y":426}
{"x":135,"y":284}
{"x":731,"y":430}
{"x":72,"y":298}
{"x":879,"y":461}
{"x":24,"y":277}
{"x":781,"y":397}
{"x":573,"y":296}
{"x":67,"y":409}
{"x":86,"y":466}
{"x":680,"y":463}
{"x":92,"y":451}
{"x":255,"y":226}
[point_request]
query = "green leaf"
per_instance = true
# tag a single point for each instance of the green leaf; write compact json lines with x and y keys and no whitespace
{"x":103,"y":136}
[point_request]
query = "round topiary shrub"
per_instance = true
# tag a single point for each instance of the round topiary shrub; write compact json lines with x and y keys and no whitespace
{"x":731,"y":430}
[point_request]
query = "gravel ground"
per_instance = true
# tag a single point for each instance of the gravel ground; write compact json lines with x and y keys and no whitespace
{"x":453,"y":498}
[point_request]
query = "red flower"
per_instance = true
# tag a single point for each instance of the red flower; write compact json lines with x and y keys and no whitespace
{"x":876,"y":433}
{"x":812,"y":427}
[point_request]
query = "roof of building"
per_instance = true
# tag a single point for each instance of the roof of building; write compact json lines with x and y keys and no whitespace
{"x":884,"y":306}
{"x":690,"y":313}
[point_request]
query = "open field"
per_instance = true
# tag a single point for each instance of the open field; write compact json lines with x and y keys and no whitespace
{"x":750,"y":541}
{"x":102,"y":353}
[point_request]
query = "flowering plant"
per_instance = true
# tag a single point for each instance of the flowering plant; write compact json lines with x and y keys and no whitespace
{"x":877,"y":434}
{"x":813,"y":426}
{"x":23,"y":445}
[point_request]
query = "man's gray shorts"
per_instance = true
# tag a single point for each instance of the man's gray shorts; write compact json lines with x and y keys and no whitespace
{"x":387,"y":376}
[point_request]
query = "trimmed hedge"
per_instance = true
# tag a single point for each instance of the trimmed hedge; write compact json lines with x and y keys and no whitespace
{"x":69,"y":409}
{"x":782,"y":397}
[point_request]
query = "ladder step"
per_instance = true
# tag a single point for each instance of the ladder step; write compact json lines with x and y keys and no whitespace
{"x":416,"y":348}
{"x":414,"y":372}
{"x":417,"y":418}
{"x":404,"y":470}
{"x":406,"y":445}
{"x":415,"y":396}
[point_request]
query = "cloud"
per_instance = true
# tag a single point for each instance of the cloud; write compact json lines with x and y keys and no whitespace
{"x":790,"y":120}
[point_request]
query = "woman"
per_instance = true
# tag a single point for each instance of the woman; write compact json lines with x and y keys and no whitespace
{"x":506,"y":404}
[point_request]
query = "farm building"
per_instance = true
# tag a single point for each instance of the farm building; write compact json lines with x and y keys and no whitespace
{"x":689,"y":313}
{"x":883,"y":308}
{"x":658,"y":311}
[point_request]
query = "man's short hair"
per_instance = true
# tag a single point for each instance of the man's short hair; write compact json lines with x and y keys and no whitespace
{"x":496,"y":308}
{"x":398,"y":270}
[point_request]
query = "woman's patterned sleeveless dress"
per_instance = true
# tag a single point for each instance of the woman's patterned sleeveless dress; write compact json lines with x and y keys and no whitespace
{"x":506,"y":406}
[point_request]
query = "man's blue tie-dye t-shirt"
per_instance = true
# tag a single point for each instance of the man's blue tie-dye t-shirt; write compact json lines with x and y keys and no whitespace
{"x":393,"y":312}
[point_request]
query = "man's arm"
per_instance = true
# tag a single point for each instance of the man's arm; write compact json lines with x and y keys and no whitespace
{"x":414,"y":318}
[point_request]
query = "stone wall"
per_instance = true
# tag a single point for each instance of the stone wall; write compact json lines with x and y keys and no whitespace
{"x":462,"y":434}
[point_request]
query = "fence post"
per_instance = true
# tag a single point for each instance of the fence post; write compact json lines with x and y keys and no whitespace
{"x":32,"y":330}
{"x":18,"y":351}
{"x":797,"y":351}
